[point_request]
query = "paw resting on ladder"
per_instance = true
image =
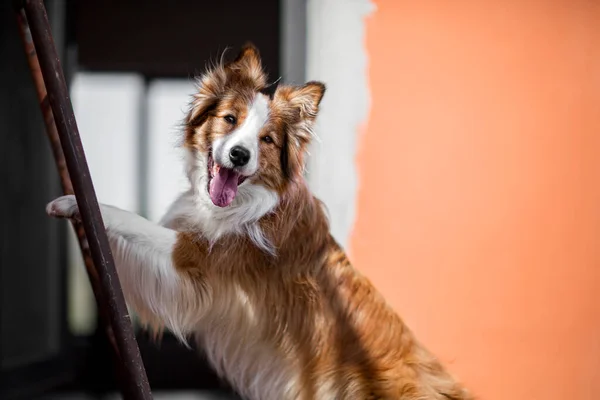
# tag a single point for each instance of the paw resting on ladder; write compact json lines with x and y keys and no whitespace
{"x":66,"y":207}
{"x":63,"y":207}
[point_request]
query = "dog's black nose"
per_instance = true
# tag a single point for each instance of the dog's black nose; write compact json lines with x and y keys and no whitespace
{"x":239,"y":156}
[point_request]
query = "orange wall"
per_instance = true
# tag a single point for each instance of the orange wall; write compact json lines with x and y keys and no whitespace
{"x":479,"y":202}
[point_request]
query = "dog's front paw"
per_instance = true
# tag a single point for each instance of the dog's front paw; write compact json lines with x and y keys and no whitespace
{"x":63,"y":207}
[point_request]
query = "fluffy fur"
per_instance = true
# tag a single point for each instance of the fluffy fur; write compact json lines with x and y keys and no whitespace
{"x":260,"y":283}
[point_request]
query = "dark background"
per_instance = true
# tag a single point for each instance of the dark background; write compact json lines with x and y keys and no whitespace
{"x":38,"y":354}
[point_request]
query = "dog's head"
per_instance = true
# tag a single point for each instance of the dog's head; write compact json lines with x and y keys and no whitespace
{"x":242,"y":142}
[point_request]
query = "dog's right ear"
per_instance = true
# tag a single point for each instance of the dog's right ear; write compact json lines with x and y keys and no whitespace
{"x":248,"y":62}
{"x":248,"y":55}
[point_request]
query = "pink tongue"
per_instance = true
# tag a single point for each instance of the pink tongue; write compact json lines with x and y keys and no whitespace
{"x":223,"y":187}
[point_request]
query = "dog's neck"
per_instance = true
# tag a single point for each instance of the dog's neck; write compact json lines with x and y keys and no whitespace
{"x":298,"y":219}
{"x":266,"y":218}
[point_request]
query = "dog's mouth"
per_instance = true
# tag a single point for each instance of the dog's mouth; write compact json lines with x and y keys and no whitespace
{"x":222,"y":182}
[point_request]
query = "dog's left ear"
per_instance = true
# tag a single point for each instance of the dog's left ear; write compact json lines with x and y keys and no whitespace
{"x":249,"y":63}
{"x":307,"y":98}
{"x":304,"y":101}
{"x":302,"y":106}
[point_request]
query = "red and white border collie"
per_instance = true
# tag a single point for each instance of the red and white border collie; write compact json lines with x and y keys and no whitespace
{"x":244,"y":260}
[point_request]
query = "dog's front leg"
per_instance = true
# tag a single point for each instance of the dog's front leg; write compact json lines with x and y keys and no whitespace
{"x":143,"y":253}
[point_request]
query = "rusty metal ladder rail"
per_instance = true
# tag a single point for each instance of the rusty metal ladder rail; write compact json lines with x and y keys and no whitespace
{"x":62,"y":131}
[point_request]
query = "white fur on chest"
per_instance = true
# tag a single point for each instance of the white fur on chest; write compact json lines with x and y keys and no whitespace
{"x":233,"y":329}
{"x":232,"y":336}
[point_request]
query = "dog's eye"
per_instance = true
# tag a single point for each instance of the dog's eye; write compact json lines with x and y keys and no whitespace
{"x":267,"y":139}
{"x":230,"y":119}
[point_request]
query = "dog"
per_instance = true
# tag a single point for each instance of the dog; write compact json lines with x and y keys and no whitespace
{"x":245,"y":263}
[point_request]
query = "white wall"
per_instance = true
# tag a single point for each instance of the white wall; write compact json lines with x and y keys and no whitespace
{"x":336,"y":55}
{"x":168,"y":102}
{"x":107,"y":108}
